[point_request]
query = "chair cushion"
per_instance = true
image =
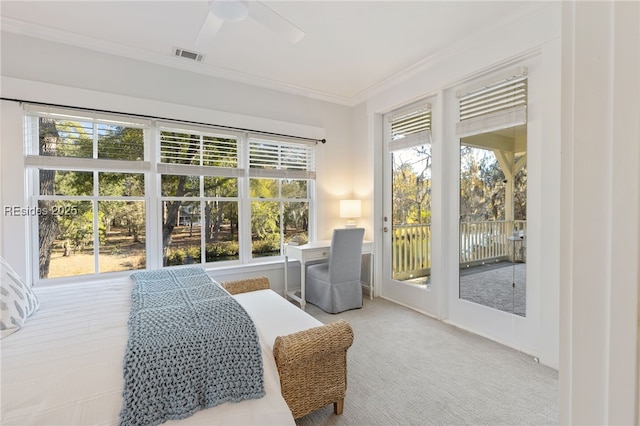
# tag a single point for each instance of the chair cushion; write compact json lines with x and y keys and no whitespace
{"x":318,"y":271}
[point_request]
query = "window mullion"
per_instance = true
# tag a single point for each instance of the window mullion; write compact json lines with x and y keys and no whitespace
{"x":201,"y":151}
{"x":153,"y":205}
{"x":94,"y":138}
{"x":244,"y":195}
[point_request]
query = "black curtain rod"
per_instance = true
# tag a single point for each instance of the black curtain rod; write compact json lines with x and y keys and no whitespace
{"x":151,"y":117}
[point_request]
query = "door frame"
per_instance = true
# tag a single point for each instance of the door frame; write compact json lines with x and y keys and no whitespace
{"x":513,"y":330}
{"x":420,"y":299}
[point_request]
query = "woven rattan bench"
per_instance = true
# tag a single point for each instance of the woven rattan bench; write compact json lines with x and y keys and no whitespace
{"x":312,"y":364}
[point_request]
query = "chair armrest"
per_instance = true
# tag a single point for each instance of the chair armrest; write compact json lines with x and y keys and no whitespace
{"x":245,"y":285}
{"x":312,"y":365}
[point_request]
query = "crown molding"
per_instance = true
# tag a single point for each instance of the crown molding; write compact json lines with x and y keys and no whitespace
{"x":443,"y":55}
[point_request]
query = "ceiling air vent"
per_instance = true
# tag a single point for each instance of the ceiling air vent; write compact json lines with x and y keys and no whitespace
{"x":194,"y":56}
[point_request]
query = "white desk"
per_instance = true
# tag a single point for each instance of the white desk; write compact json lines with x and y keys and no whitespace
{"x":317,"y":250}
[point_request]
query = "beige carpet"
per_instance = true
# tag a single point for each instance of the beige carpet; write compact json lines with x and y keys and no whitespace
{"x":405,"y":368}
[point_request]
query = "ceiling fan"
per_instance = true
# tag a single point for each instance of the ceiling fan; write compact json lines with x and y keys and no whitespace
{"x":222,"y":11}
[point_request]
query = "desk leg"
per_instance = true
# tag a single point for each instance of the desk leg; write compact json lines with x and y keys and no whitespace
{"x":371,"y":276}
{"x":303,"y":275}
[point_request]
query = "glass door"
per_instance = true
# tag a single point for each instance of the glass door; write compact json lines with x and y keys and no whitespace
{"x":407,"y":229}
{"x":493,"y":201}
{"x":492,"y":131}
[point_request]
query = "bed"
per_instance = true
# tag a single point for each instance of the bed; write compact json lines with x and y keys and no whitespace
{"x":64,"y":366}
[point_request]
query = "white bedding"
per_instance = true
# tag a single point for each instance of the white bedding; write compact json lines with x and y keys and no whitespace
{"x":261,"y":305}
{"x":64,"y":367}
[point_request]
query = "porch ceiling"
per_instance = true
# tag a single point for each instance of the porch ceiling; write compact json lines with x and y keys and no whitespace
{"x":512,"y":140}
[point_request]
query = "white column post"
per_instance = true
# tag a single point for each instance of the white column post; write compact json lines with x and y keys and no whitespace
{"x":600,"y":231}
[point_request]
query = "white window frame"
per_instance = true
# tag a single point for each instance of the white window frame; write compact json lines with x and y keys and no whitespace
{"x":153,"y":168}
{"x":200,"y":170}
{"x":35,"y":162}
{"x":303,"y":171}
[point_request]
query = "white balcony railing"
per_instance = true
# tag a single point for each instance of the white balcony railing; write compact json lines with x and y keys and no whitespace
{"x":411,"y":253}
{"x":480,"y":242}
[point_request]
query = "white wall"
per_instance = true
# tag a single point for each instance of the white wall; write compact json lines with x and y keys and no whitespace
{"x":54,"y":73}
{"x":12,"y":193}
{"x":534,"y":40}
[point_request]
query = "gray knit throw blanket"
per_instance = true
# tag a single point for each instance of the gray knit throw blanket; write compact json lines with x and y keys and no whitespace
{"x":191,"y":346}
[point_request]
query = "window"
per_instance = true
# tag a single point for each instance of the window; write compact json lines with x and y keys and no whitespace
{"x":90,"y":194}
{"x":411,"y":173}
{"x":114,"y":194}
{"x":199,"y":194}
{"x":280,"y":175}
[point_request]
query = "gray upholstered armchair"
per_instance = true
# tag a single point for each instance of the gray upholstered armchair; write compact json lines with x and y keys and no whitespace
{"x":335,"y":286}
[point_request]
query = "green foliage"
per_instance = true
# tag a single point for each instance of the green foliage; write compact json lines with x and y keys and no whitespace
{"x":263,"y":188}
{"x":225,"y":250}
{"x":482,"y":187}
{"x":120,"y":143}
{"x":214,"y":252}
{"x":298,"y":237}
{"x":294,"y":188}
{"x":265,"y":218}
{"x":132,"y":216}
{"x":269,"y":245}
{"x":121,"y":184}
{"x":73,"y":183}
{"x":78,"y":227}
{"x":180,"y":186}
{"x":296,"y":217}
{"x":75,"y":139}
{"x":220,"y":186}
{"x":176,"y":257}
{"x":412,"y":186}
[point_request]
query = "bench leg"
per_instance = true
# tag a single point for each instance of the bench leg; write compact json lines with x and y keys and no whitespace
{"x":338,"y":406}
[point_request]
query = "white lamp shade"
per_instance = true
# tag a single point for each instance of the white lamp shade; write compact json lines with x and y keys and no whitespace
{"x":350,"y":209}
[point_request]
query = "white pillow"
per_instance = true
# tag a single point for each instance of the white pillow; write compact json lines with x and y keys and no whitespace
{"x":17,"y":301}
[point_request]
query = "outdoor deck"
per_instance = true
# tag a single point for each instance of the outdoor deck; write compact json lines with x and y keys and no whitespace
{"x":492,"y":285}
{"x":492,"y":259}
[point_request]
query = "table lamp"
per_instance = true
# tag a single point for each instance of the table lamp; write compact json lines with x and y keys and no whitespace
{"x":350,"y":209}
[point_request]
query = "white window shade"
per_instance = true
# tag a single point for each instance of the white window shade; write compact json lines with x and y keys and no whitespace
{"x":410,"y":129}
{"x":196,"y":148}
{"x":493,"y":107}
{"x":491,"y":122}
{"x":274,"y":159}
{"x":72,"y":163}
{"x":82,"y":141}
{"x":192,"y":170}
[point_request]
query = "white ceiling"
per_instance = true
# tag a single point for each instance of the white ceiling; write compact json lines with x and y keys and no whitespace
{"x":350,"y":47}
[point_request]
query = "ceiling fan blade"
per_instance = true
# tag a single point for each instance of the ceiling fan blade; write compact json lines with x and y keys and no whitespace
{"x":208,"y":31}
{"x":274,"y":22}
